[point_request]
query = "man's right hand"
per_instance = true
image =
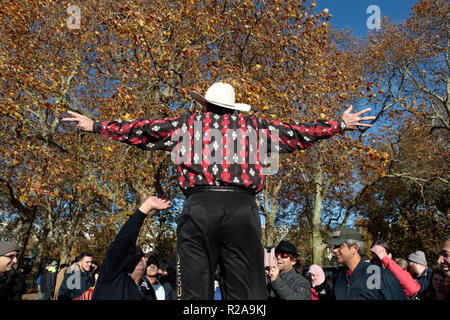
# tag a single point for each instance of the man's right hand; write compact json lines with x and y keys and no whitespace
{"x":83,"y":123}
{"x":274,"y":271}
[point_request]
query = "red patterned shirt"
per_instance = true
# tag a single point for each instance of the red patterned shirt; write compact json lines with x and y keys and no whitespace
{"x":211,"y":149}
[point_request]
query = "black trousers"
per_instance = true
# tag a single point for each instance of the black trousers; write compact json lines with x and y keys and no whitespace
{"x":220,"y":228}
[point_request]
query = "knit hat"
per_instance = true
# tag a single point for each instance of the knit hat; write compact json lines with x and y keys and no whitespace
{"x":286,"y":247}
{"x":7,"y":246}
{"x":318,"y":272}
{"x":418,"y":257}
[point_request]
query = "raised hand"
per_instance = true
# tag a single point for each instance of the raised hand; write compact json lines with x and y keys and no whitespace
{"x":83,"y":123}
{"x":379,"y":251}
{"x":353,"y":120}
{"x":274,"y":270}
{"x":155,"y":203}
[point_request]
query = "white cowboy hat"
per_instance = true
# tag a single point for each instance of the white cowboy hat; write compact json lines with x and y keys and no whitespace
{"x":222,"y":95}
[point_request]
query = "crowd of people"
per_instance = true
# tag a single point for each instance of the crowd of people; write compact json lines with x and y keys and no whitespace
{"x":222,"y":159}
{"x":127,"y":273}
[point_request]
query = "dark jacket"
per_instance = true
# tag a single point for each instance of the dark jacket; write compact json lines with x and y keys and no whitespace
{"x":169,"y":289}
{"x":50,"y":280}
{"x":12,"y":285}
{"x":74,"y":284}
{"x":114,"y":281}
{"x":367,"y":282}
{"x":19,"y":285}
{"x":290,"y":286}
{"x":424,"y":279}
{"x":147,"y":291}
{"x":323,"y":290}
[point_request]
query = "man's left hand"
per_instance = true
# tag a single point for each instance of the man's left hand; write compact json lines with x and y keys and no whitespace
{"x":353,"y":120}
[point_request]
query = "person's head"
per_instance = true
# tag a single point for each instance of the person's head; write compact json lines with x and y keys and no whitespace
{"x":220,"y":99}
{"x":347,"y":246}
{"x":316,"y":275}
{"x":437,"y":280}
{"x":382,"y":246}
{"x":417,"y":263}
{"x":437,"y":287}
{"x":54,"y":265}
{"x":402,"y":263}
{"x":85,"y":261}
{"x":444,"y":256}
{"x":152,"y":267}
{"x":8,"y":256}
{"x":287,"y":256}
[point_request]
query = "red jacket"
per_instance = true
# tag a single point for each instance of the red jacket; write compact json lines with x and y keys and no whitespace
{"x":409,"y":285}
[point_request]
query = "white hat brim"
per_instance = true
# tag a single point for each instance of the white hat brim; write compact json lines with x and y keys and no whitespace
{"x":237,"y":106}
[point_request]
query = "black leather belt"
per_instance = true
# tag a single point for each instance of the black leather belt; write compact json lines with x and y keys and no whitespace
{"x":218,"y":189}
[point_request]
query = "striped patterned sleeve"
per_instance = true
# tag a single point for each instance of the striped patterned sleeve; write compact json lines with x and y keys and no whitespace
{"x":143,"y":134}
{"x":298,"y":136}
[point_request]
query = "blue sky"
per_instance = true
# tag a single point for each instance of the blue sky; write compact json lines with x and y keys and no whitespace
{"x":351,"y":14}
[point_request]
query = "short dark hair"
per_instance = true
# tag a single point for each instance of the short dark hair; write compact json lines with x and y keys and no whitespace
{"x":152,"y":260}
{"x":84,"y":254}
{"x":383,"y":244}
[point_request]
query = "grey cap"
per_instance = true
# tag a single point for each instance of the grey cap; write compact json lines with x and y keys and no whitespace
{"x":54,"y":263}
{"x":418,"y":257}
{"x":340,"y":236}
{"x":7,"y":246}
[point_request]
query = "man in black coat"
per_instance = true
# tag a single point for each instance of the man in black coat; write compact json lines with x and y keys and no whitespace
{"x":48,"y":280}
{"x":76,"y":278}
{"x":8,"y":259}
{"x":361,"y":280}
{"x":125,"y":264}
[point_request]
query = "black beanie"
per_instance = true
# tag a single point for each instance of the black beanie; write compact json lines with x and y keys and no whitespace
{"x":286,"y":247}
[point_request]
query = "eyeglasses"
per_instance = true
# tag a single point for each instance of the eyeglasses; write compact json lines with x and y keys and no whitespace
{"x":282,"y":255}
{"x":11,"y":256}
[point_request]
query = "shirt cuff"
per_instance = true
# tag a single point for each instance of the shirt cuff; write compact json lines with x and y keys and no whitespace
{"x":341,"y":125}
{"x":97,"y":126}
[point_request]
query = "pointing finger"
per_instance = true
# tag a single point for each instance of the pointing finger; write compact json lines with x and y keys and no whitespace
{"x":73,"y":113}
